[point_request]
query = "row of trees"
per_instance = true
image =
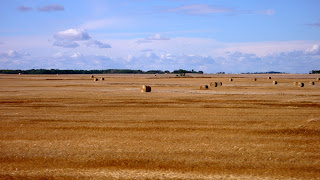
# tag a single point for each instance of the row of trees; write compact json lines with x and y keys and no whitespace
{"x":107,"y":71}
{"x":314,"y":72}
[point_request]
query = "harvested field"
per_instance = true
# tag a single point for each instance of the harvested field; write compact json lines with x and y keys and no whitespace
{"x":69,"y":126}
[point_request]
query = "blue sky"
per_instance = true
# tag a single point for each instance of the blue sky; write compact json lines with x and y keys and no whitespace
{"x":209,"y":35}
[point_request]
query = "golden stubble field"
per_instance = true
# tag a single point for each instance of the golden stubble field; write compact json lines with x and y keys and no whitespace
{"x":69,"y":126}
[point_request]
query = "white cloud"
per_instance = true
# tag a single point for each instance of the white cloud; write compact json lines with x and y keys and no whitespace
{"x":76,"y":55}
{"x":58,"y":55}
{"x":157,"y":37}
{"x":13,"y":54}
{"x":72,"y":35}
{"x":70,"y":38}
{"x":314,"y":50}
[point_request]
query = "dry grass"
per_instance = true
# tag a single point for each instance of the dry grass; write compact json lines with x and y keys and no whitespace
{"x":75,"y":128}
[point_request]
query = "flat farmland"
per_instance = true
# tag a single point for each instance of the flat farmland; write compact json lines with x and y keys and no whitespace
{"x":69,"y":127}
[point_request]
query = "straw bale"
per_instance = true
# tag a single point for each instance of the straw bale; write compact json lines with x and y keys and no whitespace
{"x":213,"y":84}
{"x":204,"y":87}
{"x":145,"y":88}
{"x":300,"y":84}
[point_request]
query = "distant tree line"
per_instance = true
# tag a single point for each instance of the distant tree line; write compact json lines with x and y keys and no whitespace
{"x":314,"y":72}
{"x":107,"y":71}
{"x":269,"y":72}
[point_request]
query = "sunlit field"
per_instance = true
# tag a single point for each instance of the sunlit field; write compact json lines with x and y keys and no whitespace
{"x":70,"y":126}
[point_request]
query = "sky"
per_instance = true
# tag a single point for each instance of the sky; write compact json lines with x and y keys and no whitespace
{"x":232,"y":36}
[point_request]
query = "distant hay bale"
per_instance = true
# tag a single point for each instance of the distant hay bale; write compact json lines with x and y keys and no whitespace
{"x":318,"y":79}
{"x":155,"y":75}
{"x":102,"y":79}
{"x":230,"y":79}
{"x":314,"y":120}
{"x":204,"y":87}
{"x":300,"y":84}
{"x":95,"y":79}
{"x":145,"y":88}
{"x":311,"y":83}
{"x":254,"y":79}
{"x":213,"y":84}
{"x":269,"y":77}
{"x":19,"y":73}
{"x":295,"y":83}
{"x":220,"y":83}
{"x":275,"y":82}
{"x":92,"y":76}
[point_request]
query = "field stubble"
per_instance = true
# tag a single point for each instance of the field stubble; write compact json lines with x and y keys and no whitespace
{"x":73,"y":127}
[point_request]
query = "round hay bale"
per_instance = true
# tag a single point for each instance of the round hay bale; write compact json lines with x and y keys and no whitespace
{"x":275,"y":83}
{"x":230,"y":79}
{"x":102,"y":78}
{"x":19,"y":73}
{"x":145,"y":88}
{"x":311,"y":83}
{"x":92,"y":76}
{"x":254,"y":79}
{"x":220,"y":83}
{"x":269,"y":77}
{"x":213,"y":84}
{"x":295,"y":83}
{"x":204,"y":87}
{"x":300,"y":84}
{"x":95,"y":79}
{"x":318,"y":79}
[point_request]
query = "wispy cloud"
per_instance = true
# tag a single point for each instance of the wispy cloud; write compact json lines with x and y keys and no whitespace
{"x":200,"y":9}
{"x":99,"y":44}
{"x":206,"y":9}
{"x":66,"y":44}
{"x":314,"y":24}
{"x":52,"y":7}
{"x":25,"y":8}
